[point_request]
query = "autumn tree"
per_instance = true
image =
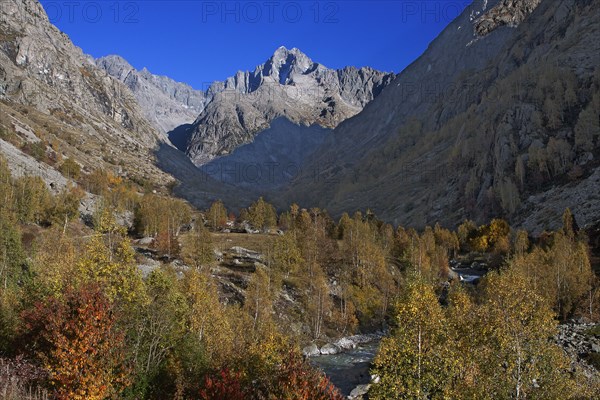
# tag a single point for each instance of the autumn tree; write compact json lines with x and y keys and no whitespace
{"x":13,"y":272}
{"x":117,"y":192}
{"x":446,"y":239}
{"x":259,"y":299}
{"x":411,"y":363}
{"x":343,"y":315}
{"x":216,"y":216}
{"x":262,"y":215}
{"x":518,"y":325}
{"x":197,"y":250}
{"x":296,"y":379}
{"x":287,"y":219}
{"x":494,"y":237}
{"x":285,"y":376}
{"x":568,"y":266}
{"x":366,"y":280}
{"x":76,"y":339}
{"x":465,"y":232}
{"x":55,"y":263}
{"x":70,"y":168}
{"x":361,"y":250}
{"x":426,"y":254}
{"x":224,"y":384}
{"x":560,"y":270}
{"x":313,"y":231}
{"x":570,"y":227}
{"x":109,"y":259}
{"x":587,"y":129}
{"x":521,"y":242}
{"x":208,"y":318}
{"x":162,"y":217}
{"x":286,"y":255}
{"x":317,"y":301}
{"x":12,"y":256}
{"x":343,"y":225}
{"x":157,"y":325}
{"x":64,"y":206}
{"x":497,"y":344}
{"x":508,"y":193}
{"x":467,"y":350}
{"x":32,"y":199}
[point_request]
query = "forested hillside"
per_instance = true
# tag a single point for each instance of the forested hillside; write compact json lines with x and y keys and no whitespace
{"x":150,"y":298}
{"x":501,"y":121}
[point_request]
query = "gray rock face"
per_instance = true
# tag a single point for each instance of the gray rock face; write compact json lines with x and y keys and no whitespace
{"x":580,"y":196}
{"x":230,"y":113}
{"x":579,"y":344}
{"x":289,"y":84}
{"x":93,"y":117}
{"x":40,"y":67}
{"x":506,"y":12}
{"x":21,"y":164}
{"x":166,"y":103}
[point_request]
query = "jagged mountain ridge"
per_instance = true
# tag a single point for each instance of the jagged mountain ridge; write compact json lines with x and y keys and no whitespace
{"x":483,"y":121}
{"x":166,"y":103}
{"x":288,"y":85}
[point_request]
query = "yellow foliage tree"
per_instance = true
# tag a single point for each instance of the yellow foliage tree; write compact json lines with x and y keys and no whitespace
{"x":411,"y":363}
{"x":208,"y":318}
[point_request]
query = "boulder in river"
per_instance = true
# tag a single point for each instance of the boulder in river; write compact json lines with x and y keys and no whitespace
{"x":358,"y":392}
{"x":311,"y":351}
{"x":329,"y":349}
{"x":345,"y":343}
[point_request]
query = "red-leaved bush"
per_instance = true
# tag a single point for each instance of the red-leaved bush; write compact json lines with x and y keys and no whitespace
{"x":224,"y":385}
{"x":295,"y":379}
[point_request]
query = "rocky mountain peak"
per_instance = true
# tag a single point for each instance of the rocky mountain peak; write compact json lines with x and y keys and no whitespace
{"x":115,"y":65}
{"x":282,"y":53}
{"x":284,"y":63}
{"x":289,"y":84}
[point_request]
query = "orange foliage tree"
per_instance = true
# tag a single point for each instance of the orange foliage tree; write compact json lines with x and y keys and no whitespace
{"x":75,"y":339}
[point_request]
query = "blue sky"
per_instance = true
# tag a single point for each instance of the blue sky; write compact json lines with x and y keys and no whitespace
{"x":197,"y":42}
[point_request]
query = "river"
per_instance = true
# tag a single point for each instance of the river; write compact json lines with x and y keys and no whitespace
{"x":350,"y":368}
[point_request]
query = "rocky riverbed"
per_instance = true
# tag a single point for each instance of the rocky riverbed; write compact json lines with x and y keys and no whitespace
{"x":347,"y":361}
{"x":348,"y":370}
